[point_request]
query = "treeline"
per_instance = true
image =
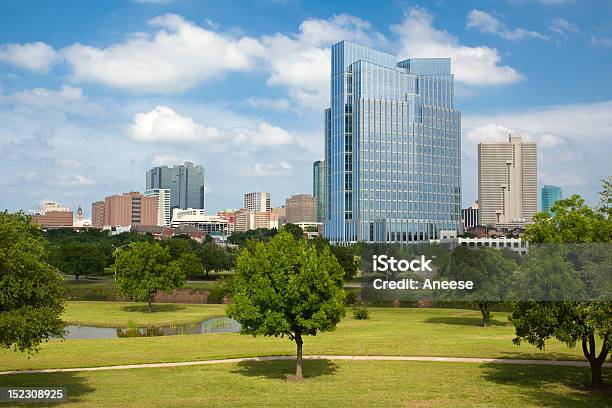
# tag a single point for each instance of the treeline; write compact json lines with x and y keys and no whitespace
{"x":92,"y":252}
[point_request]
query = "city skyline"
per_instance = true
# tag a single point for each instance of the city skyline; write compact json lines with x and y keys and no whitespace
{"x":75,"y":130}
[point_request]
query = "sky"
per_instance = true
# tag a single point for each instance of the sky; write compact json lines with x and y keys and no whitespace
{"x":93,"y":94}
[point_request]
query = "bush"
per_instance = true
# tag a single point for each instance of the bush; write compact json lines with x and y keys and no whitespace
{"x":351,"y":297}
{"x":360,"y":312}
{"x":217,"y":294}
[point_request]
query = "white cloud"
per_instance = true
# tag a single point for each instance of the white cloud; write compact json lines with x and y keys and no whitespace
{"x":74,"y":180}
{"x":67,"y":99}
{"x":264,"y":135}
{"x":70,"y":163}
{"x":475,"y":66}
{"x":563,"y":28}
{"x":167,"y":159}
{"x":278,"y":104}
{"x":164,"y":124}
{"x":37,"y":56}
{"x":269,"y":169}
{"x":486,"y":23}
{"x":178,"y":56}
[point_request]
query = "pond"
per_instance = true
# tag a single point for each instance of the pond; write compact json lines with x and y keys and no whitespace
{"x":217,"y":325}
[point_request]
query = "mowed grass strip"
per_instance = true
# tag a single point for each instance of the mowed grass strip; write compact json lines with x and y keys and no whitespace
{"x":327,"y":383}
{"x":389,"y":331}
{"x":121,"y":314}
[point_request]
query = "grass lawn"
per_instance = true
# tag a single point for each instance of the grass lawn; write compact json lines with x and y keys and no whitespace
{"x":327,"y":383}
{"x":118,"y":314}
{"x":389,"y":331}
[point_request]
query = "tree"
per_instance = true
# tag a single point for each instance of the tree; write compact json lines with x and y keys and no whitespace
{"x":294,"y":230}
{"x":76,"y":258}
{"x":489,"y":269}
{"x":191,"y":264}
{"x":285,"y":288}
{"x":215,"y":258}
{"x":179,"y":245}
{"x":569,"y":321}
{"x":146,"y":268}
{"x":344,"y":254}
{"x":31,"y":291}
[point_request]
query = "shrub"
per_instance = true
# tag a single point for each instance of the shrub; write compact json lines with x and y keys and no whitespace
{"x":351,"y":297}
{"x":360,"y":312}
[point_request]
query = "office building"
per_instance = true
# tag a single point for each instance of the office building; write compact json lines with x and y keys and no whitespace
{"x":230,"y":215}
{"x":185,"y":182}
{"x":50,"y":215}
{"x":130,"y":209}
{"x":249,"y":220}
{"x":318,"y":187}
{"x":469,"y":216}
{"x":97,"y":214}
{"x":164,"y":213}
{"x":196,"y":218}
{"x":301,"y":208}
{"x":550,"y":195}
{"x":392,"y":148}
{"x":507,"y":183}
{"x":281,"y":214}
{"x":257,"y":201}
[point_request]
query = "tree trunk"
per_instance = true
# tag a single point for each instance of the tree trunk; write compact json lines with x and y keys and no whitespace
{"x":298,"y":365}
{"x":588,"y":348}
{"x":76,"y":277}
{"x":149,"y":301}
{"x":486,"y":314}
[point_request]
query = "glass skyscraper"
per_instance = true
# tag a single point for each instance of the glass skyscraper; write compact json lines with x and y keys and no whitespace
{"x":185,"y":182}
{"x":550,"y":195}
{"x":318,"y":187}
{"x":392,"y":148}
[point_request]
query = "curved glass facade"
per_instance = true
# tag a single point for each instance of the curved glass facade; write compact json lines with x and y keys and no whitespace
{"x":392,"y":148}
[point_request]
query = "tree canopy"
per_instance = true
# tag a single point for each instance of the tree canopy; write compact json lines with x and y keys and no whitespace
{"x":572,"y":321}
{"x":145,"y":268}
{"x":287,"y":288}
{"x":31,"y":291}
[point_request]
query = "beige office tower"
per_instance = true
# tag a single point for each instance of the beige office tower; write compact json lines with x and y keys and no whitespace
{"x":507,"y":182}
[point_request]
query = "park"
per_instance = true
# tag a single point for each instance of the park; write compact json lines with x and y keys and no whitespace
{"x":293,"y":340}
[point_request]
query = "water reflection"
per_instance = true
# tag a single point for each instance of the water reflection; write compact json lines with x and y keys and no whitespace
{"x":218,"y":325}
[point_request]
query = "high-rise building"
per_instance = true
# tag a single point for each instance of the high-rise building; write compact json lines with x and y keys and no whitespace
{"x":195,"y":218}
{"x":242,"y":220}
{"x":507,"y":182}
{"x":97,"y":214}
{"x":257,"y":201}
{"x":185,"y":182}
{"x":281,"y":214}
{"x":318,"y":188}
{"x":301,"y":208}
{"x":469,"y":216}
{"x":229,"y":214}
{"x":130,"y":209}
{"x":51,"y":215}
{"x":550,"y":195}
{"x":392,"y":148}
{"x":163,"y":205}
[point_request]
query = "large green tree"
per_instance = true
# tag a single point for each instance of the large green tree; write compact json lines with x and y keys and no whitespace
{"x":31,"y":291}
{"x":571,"y":321}
{"x":490,"y":271}
{"x":77,"y":258}
{"x":145,"y":268}
{"x":215,"y":258}
{"x":287,"y":288}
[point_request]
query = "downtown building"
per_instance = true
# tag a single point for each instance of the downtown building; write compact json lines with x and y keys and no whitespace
{"x":50,"y":215}
{"x":301,"y":208}
{"x":392,"y":148}
{"x":318,"y":187}
{"x":258,"y":201}
{"x":550,"y":195}
{"x":123,"y":210}
{"x":507,"y":183}
{"x":185,"y":182}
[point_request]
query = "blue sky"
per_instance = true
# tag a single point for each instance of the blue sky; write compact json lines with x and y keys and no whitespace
{"x":92,"y":94}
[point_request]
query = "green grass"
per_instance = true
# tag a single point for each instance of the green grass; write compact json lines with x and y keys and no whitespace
{"x":327,"y":383}
{"x":389,"y":331}
{"x":201,"y":284}
{"x":118,"y":314}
